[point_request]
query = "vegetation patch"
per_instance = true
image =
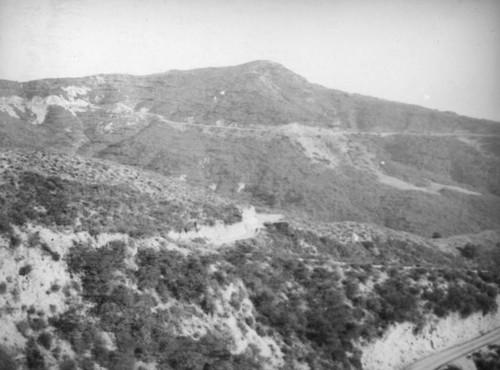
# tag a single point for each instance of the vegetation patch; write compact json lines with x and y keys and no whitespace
{"x":98,"y":208}
{"x":142,"y":333}
{"x":487,"y":358}
{"x":328,"y":307}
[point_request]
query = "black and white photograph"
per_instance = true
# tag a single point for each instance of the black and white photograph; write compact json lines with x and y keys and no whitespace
{"x":249,"y":185}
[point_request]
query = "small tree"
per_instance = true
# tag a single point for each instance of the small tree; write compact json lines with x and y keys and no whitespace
{"x":468,"y":251}
{"x":34,"y":358}
{"x":45,"y":339}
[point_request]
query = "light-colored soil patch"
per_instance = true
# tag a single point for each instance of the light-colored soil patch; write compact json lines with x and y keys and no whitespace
{"x":225,"y":234}
{"x":320,"y":145}
{"x":39,"y":106}
{"x":32,"y":278}
{"x":9,"y":105}
{"x":400,"y":184}
{"x":232,"y":321}
{"x":399,"y":347}
{"x":432,"y":188}
{"x":438,"y":187}
{"x":332,"y":147}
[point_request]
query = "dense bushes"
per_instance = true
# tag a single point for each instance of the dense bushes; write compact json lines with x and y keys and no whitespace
{"x":5,"y":227}
{"x":298,"y":295}
{"x":462,"y":298}
{"x":468,"y":251}
{"x":33,"y":196}
{"x":25,"y":270}
{"x":450,"y":291}
{"x":34,"y":358}
{"x":309,"y":301}
{"x":487,"y":358}
{"x":296,"y":301}
{"x":325,"y":307}
{"x":42,"y":197}
{"x":398,"y":302}
{"x":170,"y":273}
{"x":97,"y":208}
{"x":142,"y":333}
{"x":376,"y":251}
{"x":6,"y":360}
{"x":97,"y":267}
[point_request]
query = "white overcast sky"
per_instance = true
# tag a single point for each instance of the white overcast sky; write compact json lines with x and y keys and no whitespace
{"x":442,"y":54}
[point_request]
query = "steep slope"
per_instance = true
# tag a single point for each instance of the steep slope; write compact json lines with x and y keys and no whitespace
{"x":328,"y":175}
{"x":255,"y":93}
{"x":103,"y":265}
{"x":259,"y":133}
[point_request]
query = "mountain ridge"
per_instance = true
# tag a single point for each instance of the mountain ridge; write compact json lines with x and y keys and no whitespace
{"x":263,"y":67}
{"x":220,"y":128}
{"x":239,"y":218}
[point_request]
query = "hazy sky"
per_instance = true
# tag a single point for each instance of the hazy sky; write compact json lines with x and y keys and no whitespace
{"x":442,"y":54}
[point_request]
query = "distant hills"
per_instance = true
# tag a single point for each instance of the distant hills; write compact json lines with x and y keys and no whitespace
{"x":255,"y":93}
{"x":239,"y":218}
{"x":260,"y":133}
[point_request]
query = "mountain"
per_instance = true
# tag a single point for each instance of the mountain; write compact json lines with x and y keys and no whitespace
{"x":255,"y":93}
{"x":239,"y":218}
{"x":262,"y":134}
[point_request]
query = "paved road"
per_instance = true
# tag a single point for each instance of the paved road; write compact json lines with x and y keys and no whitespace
{"x":442,"y":358}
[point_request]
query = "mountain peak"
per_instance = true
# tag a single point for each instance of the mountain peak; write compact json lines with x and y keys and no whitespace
{"x":262,"y":63}
{"x":263,"y":66}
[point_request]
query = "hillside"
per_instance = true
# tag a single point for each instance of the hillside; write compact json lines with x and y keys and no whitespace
{"x":260,"y":133}
{"x":239,"y":218}
{"x":94,"y":273}
{"x":255,"y":93}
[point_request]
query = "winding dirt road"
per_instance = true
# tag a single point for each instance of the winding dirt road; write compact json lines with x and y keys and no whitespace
{"x":279,"y":129}
{"x":442,"y":358}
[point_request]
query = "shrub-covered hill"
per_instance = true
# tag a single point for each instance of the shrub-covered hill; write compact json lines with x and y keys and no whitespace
{"x":90,"y":277}
{"x":481,"y":249}
{"x":254,"y":93}
{"x":97,"y":197}
{"x":419,"y":184}
{"x":259,"y":133}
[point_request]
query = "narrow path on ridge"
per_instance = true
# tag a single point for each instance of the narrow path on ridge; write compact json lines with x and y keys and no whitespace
{"x":324,"y":130}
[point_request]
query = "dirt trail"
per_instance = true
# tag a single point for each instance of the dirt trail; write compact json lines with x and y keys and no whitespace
{"x":317,"y":130}
{"x":220,"y":234}
{"x":331,"y":147}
